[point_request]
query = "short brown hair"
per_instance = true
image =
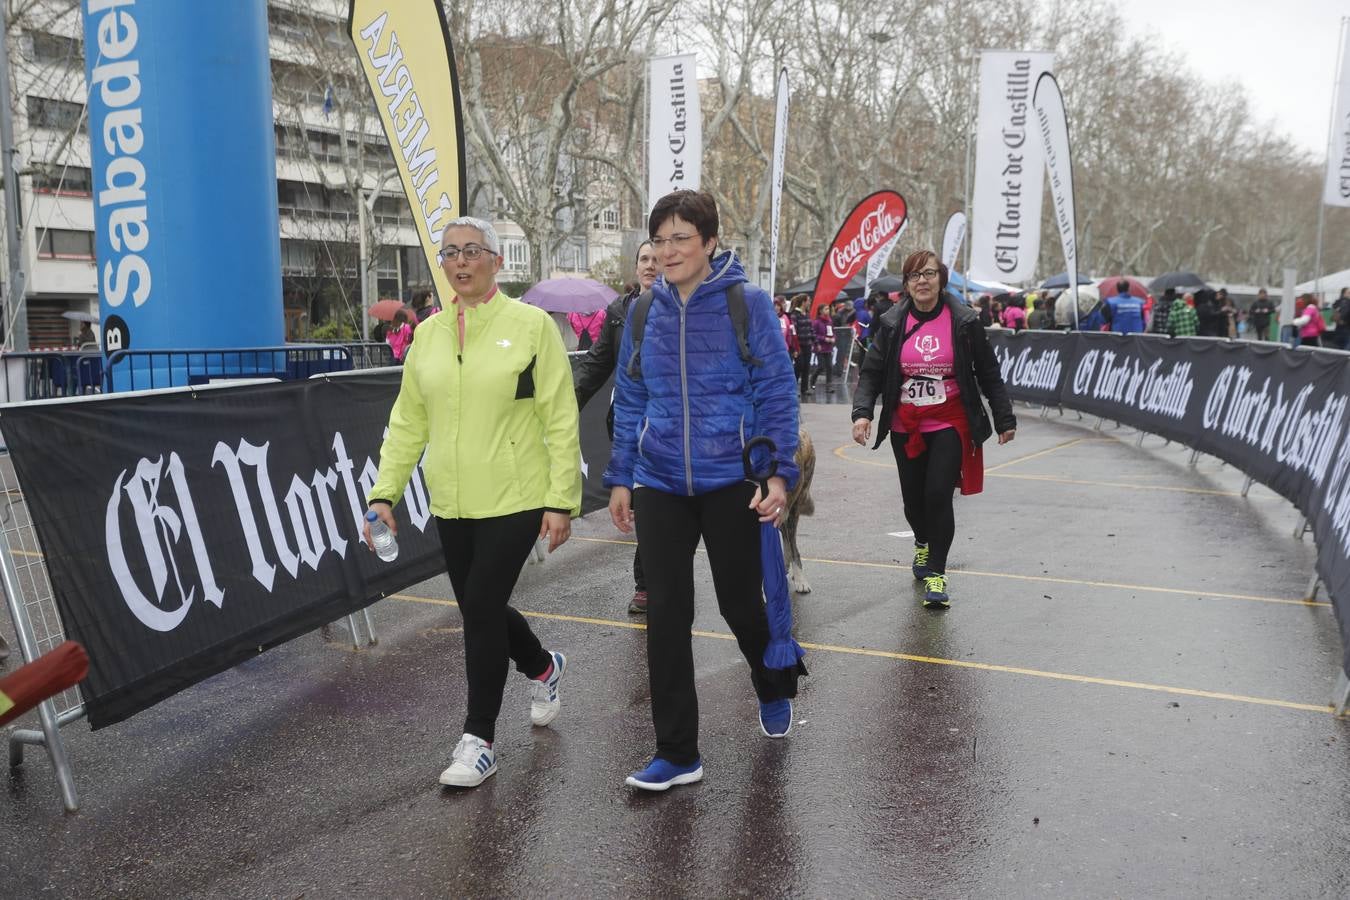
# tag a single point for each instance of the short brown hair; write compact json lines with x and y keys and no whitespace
{"x":696,"y":207}
{"x":917,"y":260}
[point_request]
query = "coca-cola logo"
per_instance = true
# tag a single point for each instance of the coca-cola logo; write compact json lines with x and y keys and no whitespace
{"x":874,"y":229}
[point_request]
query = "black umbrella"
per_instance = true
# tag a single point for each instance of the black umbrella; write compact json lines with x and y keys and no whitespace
{"x":1179,"y":281}
{"x":1061,"y":281}
{"x":889,"y":284}
{"x":783,"y":656}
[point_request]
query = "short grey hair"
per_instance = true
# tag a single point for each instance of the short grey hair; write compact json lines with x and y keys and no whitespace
{"x":490,"y":239}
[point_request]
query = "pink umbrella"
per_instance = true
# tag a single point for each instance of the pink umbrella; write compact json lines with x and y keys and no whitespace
{"x":385,"y":309}
{"x":567,"y":295}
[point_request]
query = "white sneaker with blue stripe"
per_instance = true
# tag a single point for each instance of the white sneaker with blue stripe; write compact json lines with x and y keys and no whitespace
{"x":473,"y":762}
{"x":544,"y":702}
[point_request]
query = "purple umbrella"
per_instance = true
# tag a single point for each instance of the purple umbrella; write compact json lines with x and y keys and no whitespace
{"x":783,"y":656}
{"x":570,"y":295}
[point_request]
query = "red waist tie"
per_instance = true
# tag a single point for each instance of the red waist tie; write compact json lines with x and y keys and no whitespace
{"x":951,"y":411}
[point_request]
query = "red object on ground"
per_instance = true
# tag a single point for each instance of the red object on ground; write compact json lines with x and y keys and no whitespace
{"x":49,"y":674}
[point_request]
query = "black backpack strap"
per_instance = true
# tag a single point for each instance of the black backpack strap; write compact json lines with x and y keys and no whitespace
{"x":740,"y":322}
{"x":637,"y":325}
{"x":736,"y":309}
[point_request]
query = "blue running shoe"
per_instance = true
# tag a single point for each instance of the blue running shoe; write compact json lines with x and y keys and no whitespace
{"x":935,"y":592}
{"x":920,"y":565}
{"x":775,"y":718}
{"x":661,"y":775}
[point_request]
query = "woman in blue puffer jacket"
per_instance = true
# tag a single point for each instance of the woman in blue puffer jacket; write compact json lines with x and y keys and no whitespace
{"x":681,"y":419}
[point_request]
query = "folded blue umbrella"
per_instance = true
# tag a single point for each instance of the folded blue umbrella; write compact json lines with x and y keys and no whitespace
{"x":783,"y":656}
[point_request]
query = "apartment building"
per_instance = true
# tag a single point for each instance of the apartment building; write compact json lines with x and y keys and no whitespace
{"x":328,"y":163}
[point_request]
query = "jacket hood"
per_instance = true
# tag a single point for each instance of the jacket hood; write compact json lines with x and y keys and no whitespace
{"x":726,"y":271}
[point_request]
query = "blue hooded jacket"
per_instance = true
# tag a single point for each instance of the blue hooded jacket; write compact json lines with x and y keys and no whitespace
{"x":681,"y":426}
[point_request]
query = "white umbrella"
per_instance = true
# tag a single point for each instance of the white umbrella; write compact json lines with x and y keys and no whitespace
{"x":1088,"y":297}
{"x":77,"y":316}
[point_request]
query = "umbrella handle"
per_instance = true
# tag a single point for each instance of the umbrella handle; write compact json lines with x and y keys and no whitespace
{"x":760,"y":478}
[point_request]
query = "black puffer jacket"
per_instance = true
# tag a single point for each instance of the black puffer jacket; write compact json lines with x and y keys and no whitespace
{"x":597,"y":365}
{"x":977,"y":372}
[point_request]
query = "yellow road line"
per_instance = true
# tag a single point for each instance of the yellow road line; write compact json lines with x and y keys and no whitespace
{"x":1220,"y":595}
{"x":932,"y":660}
{"x":1055,"y":449}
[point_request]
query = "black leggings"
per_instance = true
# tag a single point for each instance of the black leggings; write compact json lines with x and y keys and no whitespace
{"x":927,"y":483}
{"x":669,"y":527}
{"x":483,"y":558}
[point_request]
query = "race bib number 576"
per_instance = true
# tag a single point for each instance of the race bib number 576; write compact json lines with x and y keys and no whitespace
{"x":923,"y":390}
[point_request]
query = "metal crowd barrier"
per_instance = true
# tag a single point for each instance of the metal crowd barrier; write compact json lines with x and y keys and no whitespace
{"x":39,"y":375}
{"x":141,"y":370}
{"x":365,"y":354}
{"x":37,"y":624}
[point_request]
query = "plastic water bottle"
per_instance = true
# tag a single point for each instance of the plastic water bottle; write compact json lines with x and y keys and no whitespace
{"x":386,"y":545}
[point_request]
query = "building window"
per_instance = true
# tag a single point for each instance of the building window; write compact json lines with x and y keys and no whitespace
{"x":59,"y":115}
{"x":386,"y":263}
{"x":297,"y":257}
{"x":571,"y":257}
{"x":56,"y":48}
{"x":68,"y":181}
{"x":515,"y":256}
{"x":606,"y":219}
{"x":59,"y":243}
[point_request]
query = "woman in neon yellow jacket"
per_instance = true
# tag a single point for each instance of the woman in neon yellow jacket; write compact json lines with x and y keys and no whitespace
{"x":487,"y":394}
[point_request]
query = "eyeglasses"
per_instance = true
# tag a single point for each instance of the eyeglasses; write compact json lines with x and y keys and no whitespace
{"x":470,"y":251}
{"x":675,"y":239}
{"x":925,"y":274}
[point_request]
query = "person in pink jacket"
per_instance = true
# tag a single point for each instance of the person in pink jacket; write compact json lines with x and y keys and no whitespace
{"x":400,"y":334}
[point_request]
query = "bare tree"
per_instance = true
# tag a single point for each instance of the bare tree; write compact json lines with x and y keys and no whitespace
{"x":531,"y":78}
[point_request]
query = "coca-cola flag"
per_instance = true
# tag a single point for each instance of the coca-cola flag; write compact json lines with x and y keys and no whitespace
{"x":866,"y":230}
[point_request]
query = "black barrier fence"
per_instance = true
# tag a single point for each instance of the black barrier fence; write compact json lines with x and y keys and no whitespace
{"x":185,"y":531}
{"x":1279,"y":415}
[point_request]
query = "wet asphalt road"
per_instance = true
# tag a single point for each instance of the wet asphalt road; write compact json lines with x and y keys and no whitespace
{"x":1127,"y":698}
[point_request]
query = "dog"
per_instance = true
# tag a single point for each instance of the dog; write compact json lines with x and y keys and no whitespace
{"x":799,"y":503}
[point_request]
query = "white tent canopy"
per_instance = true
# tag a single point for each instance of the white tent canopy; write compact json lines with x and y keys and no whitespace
{"x":1330,"y":285}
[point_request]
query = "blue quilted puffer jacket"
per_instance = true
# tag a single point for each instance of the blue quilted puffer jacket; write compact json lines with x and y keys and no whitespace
{"x":680,"y":427}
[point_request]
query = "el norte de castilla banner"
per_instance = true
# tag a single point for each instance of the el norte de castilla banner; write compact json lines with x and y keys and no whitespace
{"x":1005,"y":212}
{"x":674,"y":126}
{"x":186,"y":531}
{"x":405,"y":51}
{"x":1281,"y":416}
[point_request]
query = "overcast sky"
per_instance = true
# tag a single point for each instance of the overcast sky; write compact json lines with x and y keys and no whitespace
{"x":1283,"y":53}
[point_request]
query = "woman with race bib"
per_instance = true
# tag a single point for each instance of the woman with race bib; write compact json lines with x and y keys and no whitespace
{"x":929,"y":361}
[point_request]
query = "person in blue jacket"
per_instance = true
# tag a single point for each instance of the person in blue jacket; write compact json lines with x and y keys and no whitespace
{"x":1124,"y":311}
{"x":682,"y":416}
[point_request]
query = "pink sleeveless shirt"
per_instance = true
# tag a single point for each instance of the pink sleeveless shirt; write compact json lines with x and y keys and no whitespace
{"x":928,"y":365}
